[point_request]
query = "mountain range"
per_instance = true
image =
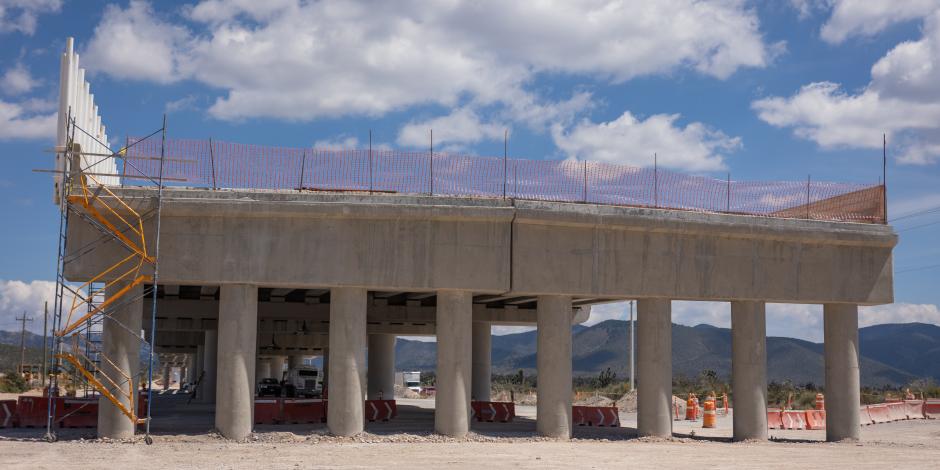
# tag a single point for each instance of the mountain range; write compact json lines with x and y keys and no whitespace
{"x":891,"y":354}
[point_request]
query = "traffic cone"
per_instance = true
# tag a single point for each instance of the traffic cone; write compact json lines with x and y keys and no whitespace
{"x":709,"y":419}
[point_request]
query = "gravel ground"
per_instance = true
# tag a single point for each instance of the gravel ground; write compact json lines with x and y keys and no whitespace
{"x":408,"y":442}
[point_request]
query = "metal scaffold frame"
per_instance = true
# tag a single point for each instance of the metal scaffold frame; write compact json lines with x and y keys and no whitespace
{"x":78,"y":324}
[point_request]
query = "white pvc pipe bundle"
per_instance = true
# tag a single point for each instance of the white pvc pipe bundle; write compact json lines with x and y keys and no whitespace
{"x":77,"y":101}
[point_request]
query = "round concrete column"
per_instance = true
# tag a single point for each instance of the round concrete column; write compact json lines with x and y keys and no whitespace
{"x":237,"y":345}
{"x":843,"y":397}
{"x":381,"y":383}
{"x":482,"y":361}
{"x":199,"y":373}
{"x":167,"y":371}
{"x":122,"y":348}
{"x":553,"y":360}
{"x":347,"y":353}
{"x":277,"y":367}
{"x":654,"y":367}
{"x":294,"y":362}
{"x":264,"y":368}
{"x":749,"y":370}
{"x":454,"y":355}
{"x":210,"y":363}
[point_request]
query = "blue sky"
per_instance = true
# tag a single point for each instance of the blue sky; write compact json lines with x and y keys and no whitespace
{"x":764,"y":90}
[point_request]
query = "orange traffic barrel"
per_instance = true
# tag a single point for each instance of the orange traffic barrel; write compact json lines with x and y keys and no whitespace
{"x":820,"y":401}
{"x":690,"y":408}
{"x":708,"y":421}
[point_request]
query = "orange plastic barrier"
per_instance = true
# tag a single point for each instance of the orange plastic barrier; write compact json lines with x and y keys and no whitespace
{"x":914,"y":408}
{"x":493,"y":411}
{"x":897,"y":411}
{"x":303,"y":410}
{"x":864,"y":417}
{"x":595,"y":416}
{"x":7,"y":413}
{"x":774,"y":419}
{"x":267,"y":410}
{"x":932,"y":409}
{"x":793,"y":419}
{"x":815,"y":419}
{"x":32,"y":412}
{"x":381,"y":410}
{"x":79,"y":413}
{"x":879,"y":413}
{"x":690,"y":408}
{"x":710,"y":418}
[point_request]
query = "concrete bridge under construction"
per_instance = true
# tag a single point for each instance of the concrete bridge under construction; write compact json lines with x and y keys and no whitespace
{"x":355,"y":270}
{"x":248,"y":277}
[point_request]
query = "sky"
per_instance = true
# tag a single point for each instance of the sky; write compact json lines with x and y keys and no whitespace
{"x":773,"y":90}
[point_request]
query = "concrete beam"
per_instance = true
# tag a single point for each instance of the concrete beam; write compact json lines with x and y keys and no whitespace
{"x":654,"y":367}
{"x":749,"y":370}
{"x":235,"y":397}
{"x":454,"y":355}
{"x":553,"y":359}
{"x":347,"y":354}
{"x":843,"y":395}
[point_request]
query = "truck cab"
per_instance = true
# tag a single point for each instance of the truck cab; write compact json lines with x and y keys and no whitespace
{"x":304,"y":381}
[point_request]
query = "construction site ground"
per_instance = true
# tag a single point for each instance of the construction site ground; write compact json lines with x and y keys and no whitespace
{"x":183,"y":438}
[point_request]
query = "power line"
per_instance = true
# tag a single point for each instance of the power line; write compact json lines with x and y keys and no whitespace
{"x":919,"y":268}
{"x":905,"y":229}
{"x":917,"y":213}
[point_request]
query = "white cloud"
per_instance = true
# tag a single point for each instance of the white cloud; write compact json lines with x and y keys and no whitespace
{"x":17,"y":80}
{"x":898,"y":313}
{"x":182,"y":104}
{"x":902,"y":100}
{"x":462,"y":126}
{"x":805,"y":8}
{"x":631,"y":141}
{"x":870,"y":17}
{"x":17,"y":123}
{"x":17,"y":297}
{"x":134,"y":43}
{"x":304,"y":60}
{"x":21,"y":15}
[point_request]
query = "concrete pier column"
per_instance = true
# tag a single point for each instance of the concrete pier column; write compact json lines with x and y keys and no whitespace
{"x":347,"y":356}
{"x":121,"y":346}
{"x":654,"y":367}
{"x":237,"y":345}
{"x":381,"y":383}
{"x":843,"y":397}
{"x":749,"y":370}
{"x":454,"y":355}
{"x":482,"y":361}
{"x":326,"y":369}
{"x":553,"y":360}
{"x":166,"y":377}
{"x":295,"y":361}
{"x":264,"y":368}
{"x":277,"y":367}
{"x":199,"y":372}
{"x":210,"y":364}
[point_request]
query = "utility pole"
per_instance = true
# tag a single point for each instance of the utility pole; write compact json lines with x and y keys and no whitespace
{"x":45,"y":341}
{"x":632,"y":350}
{"x":23,"y":320}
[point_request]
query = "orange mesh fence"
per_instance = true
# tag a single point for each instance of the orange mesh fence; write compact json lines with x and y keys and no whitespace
{"x":198,"y":163}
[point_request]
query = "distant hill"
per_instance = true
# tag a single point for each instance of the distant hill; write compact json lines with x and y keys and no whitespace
{"x":890,"y":354}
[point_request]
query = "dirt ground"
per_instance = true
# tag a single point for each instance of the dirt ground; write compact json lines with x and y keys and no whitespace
{"x":182,"y":440}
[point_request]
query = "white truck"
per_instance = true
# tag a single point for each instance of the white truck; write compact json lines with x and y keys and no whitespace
{"x":409,"y":380}
{"x":304,"y":381}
